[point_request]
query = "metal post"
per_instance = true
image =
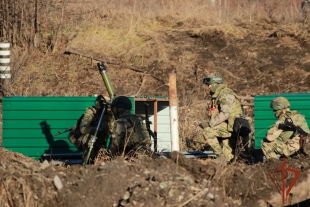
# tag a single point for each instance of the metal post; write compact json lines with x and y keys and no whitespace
{"x":173,"y":104}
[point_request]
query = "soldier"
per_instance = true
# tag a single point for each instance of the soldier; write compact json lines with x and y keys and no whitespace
{"x":225,"y":108}
{"x":305,"y":8}
{"x":129,"y":132}
{"x":287,"y":144}
{"x":81,"y":132}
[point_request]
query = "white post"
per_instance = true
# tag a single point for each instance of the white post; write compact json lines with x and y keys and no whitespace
{"x":5,"y":60}
{"x":173,"y":104}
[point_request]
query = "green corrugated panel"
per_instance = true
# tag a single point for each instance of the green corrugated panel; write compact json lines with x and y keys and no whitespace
{"x":29,"y":123}
{"x":132,"y":99}
{"x":264,"y":117}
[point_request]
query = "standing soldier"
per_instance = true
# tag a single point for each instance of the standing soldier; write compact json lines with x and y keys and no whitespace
{"x":81,"y":132}
{"x":288,"y":142}
{"x":129,"y":134}
{"x":222,"y":113}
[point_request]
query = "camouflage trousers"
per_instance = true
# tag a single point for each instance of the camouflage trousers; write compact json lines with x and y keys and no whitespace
{"x":271,"y":149}
{"x":211,"y":135}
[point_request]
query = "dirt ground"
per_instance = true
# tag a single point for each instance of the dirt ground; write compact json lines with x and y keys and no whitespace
{"x":265,"y":59}
{"x":176,"y":181}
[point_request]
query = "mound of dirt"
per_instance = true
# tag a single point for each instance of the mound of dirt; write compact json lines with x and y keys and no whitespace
{"x":175,"y":181}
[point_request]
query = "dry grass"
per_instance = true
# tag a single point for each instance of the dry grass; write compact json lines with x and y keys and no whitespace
{"x":129,"y":29}
{"x":124,"y":28}
{"x":102,"y":156}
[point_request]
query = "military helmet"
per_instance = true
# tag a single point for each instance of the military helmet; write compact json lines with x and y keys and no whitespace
{"x":122,"y":102}
{"x":213,"y":78}
{"x":279,"y":103}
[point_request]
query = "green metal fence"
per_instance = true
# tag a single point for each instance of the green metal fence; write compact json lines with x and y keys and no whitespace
{"x":264,"y":117}
{"x":29,"y":123}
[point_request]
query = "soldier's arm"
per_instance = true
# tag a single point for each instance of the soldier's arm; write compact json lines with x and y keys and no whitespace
{"x":85,"y":126}
{"x":274,"y":132}
{"x":226,"y":104}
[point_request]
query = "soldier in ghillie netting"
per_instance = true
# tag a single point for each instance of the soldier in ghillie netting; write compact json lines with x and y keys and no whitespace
{"x":288,"y":134}
{"x":81,"y":132}
{"x":225,"y":107}
{"x":129,"y":136}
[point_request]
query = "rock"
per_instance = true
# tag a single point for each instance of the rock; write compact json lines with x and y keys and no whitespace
{"x":57,"y":183}
{"x":210,"y":195}
{"x":45,"y":164}
{"x":126,"y":195}
{"x":102,"y":167}
{"x":123,"y":202}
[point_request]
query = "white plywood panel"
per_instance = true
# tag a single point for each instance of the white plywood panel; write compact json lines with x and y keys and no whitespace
{"x":163,"y":137}
{"x":163,"y":122}
{"x":164,"y":147}
{"x":163,"y":127}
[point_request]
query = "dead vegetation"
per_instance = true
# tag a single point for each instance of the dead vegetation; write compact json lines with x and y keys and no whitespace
{"x":255,"y":45}
{"x":260,"y":47}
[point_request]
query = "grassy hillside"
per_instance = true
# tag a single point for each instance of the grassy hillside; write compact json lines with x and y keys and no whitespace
{"x":260,"y":47}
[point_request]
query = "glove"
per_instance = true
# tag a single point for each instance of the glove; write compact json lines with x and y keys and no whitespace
{"x":204,"y":124}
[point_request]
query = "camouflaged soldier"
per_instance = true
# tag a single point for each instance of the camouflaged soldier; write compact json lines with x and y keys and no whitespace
{"x":305,"y":8}
{"x":221,"y":116}
{"x":87,"y":124}
{"x":129,"y":132}
{"x":281,"y":140}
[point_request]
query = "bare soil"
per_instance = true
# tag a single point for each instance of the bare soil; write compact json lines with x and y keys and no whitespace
{"x":177,"y":181}
{"x":265,"y":58}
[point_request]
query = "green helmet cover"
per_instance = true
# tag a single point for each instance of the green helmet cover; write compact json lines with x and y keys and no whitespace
{"x":279,"y":103}
{"x":213,"y":78}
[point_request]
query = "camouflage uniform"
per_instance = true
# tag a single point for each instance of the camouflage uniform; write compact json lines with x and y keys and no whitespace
{"x":129,"y":133}
{"x":86,"y":127}
{"x":222,"y":119}
{"x":305,"y":8}
{"x":221,"y":124}
{"x":280,"y":141}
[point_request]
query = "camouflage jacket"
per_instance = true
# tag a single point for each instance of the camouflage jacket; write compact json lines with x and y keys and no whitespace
{"x":285,"y":135}
{"x":129,"y":129}
{"x":90,"y":119}
{"x":228,"y":105}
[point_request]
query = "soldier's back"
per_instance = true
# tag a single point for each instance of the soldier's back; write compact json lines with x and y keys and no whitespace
{"x":138,"y":137}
